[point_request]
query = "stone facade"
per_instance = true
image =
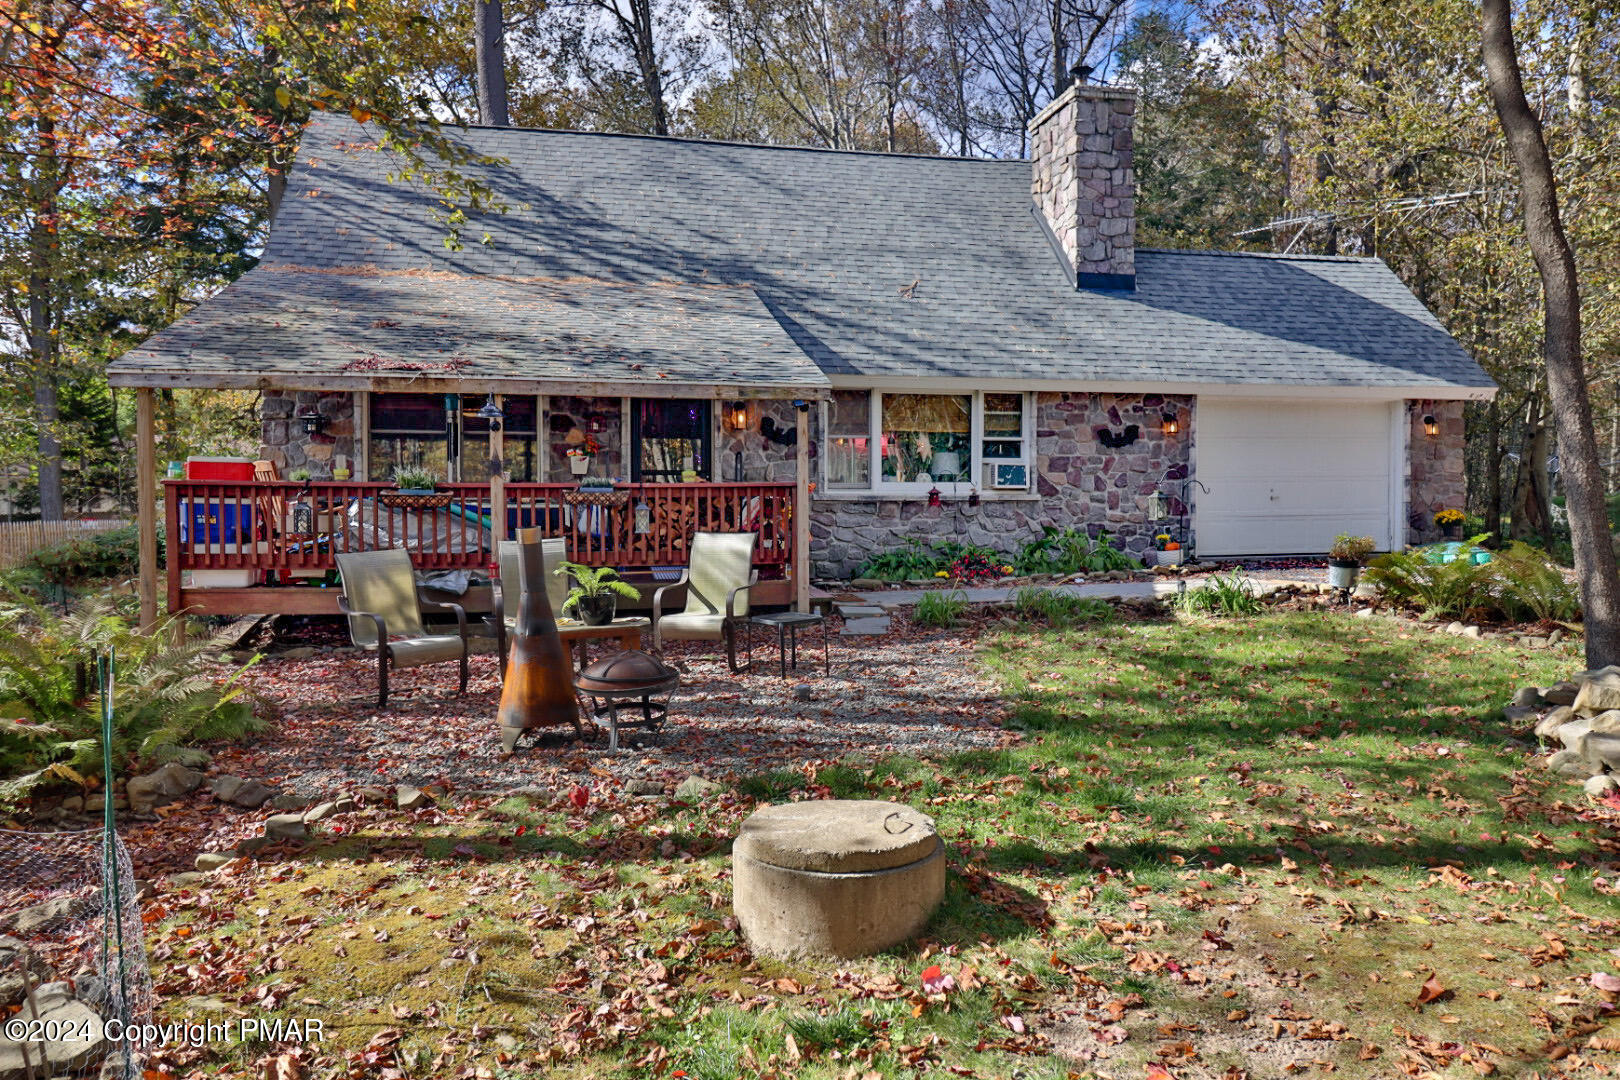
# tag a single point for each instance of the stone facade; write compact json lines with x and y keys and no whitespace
{"x":768,"y":444}
{"x":569,"y":420}
{"x":1082,"y":178}
{"x":282,"y":432}
{"x":1434,"y":467}
{"x":1079,"y":482}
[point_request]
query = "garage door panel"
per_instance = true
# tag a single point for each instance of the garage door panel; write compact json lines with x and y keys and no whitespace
{"x":1286,"y":477}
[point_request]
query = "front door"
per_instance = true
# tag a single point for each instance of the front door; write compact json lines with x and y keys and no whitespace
{"x":671,"y":439}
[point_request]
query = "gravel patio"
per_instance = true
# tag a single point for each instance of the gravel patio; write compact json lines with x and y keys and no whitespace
{"x":905,"y":692}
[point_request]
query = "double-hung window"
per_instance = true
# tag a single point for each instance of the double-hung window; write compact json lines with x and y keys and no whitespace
{"x":891,"y":442}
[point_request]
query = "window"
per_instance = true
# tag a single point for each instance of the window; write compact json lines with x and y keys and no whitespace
{"x":926,"y":438}
{"x":1005,"y":446}
{"x":909,"y":443}
{"x":849,"y":440}
{"x":408,"y":431}
{"x":672,"y":439}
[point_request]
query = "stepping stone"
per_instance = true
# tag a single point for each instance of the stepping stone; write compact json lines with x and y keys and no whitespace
{"x":860,"y":611}
{"x":868,"y":627}
{"x":835,"y":877}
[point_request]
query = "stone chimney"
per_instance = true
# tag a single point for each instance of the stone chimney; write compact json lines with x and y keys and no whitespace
{"x":1083,"y":184}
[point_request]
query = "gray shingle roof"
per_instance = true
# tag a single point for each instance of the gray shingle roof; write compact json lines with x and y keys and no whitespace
{"x":874,"y":265}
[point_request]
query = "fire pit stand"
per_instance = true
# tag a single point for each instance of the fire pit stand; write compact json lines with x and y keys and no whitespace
{"x":632,"y":681}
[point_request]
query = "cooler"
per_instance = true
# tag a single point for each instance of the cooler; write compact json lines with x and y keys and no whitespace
{"x":219,"y":468}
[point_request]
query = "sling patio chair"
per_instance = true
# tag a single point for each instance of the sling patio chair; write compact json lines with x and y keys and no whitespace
{"x":384,"y":607}
{"x":508,"y":588}
{"x":717,"y":579}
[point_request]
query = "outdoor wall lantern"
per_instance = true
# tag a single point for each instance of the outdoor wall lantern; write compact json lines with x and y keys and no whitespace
{"x":973,"y":496}
{"x":491,"y":411}
{"x":1172,"y":423}
{"x":1158,"y":506}
{"x":933,"y":497}
{"x":1431,"y":426}
{"x":312,"y":421}
{"x":737,"y":416}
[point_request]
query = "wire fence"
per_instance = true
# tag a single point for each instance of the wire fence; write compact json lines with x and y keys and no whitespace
{"x":20,"y":539}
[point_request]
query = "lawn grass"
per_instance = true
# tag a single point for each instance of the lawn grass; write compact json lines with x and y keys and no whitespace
{"x":1225,"y":845}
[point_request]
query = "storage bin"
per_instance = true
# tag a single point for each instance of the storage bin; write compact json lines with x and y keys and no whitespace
{"x":219,"y":468}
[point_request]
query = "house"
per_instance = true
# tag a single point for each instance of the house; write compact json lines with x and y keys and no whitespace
{"x":938,"y":347}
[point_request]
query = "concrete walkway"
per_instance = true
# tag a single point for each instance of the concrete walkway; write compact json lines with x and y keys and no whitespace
{"x":1102,"y":590}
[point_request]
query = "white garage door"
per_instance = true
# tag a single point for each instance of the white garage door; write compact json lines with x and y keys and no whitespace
{"x":1286,"y":476}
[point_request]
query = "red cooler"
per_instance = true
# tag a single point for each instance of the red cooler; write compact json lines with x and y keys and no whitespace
{"x":219,"y":468}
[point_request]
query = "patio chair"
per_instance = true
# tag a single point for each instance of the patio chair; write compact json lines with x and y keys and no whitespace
{"x":380,"y":598}
{"x":717,"y":580}
{"x":507,"y":589}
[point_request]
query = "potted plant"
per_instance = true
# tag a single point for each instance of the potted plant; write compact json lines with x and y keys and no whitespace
{"x":579,"y":457}
{"x":1448,"y":521}
{"x":595,"y":595}
{"x":414,"y":489}
{"x":1345,"y":558}
{"x":1169,"y":550}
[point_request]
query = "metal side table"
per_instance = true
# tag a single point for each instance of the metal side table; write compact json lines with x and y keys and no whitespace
{"x":787,"y":624}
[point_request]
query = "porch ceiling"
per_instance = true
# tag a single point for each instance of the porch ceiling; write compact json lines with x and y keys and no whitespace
{"x":362,"y":328}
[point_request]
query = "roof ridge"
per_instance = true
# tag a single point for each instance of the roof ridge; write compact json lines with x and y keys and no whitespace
{"x":1285,"y":255}
{"x":711,"y":142}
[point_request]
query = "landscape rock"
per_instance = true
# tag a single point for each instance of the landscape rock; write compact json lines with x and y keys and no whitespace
{"x":1599,"y":691}
{"x":248,"y":794}
{"x":59,"y":1011}
{"x":804,"y":692}
{"x":302,"y":652}
{"x":186,"y":879}
{"x":209,"y":861}
{"x":1471,"y":632}
{"x":252,"y":845}
{"x":17,"y":960}
{"x":1571,"y":734}
{"x":1555,"y":637}
{"x":162,"y":786}
{"x":1600,"y":786}
{"x":869,"y":627}
{"x":319,"y":812}
{"x":1526,"y":695}
{"x":866,"y":584}
{"x":644,"y":786}
{"x":1547,"y":727}
{"x":411,"y":798}
{"x":372,"y":794}
{"x":286,"y":826}
{"x":695,"y":789}
{"x":1560,"y":693}
{"x":29,"y":921}
{"x":345,"y":804}
{"x":1569,"y":763}
{"x":1520,"y":716}
{"x":1453,"y":627}
{"x":287,"y":801}
{"x":1601,"y":750}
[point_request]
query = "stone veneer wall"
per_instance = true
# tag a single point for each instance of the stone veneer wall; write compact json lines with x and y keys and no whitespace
{"x":1078,"y":482}
{"x":285,"y":443}
{"x":574,"y":416}
{"x":1435,"y":478}
{"x":1081,"y":176}
{"x":763,"y":458}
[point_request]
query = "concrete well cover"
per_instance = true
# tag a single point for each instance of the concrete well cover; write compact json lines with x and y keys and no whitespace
{"x":838,"y":836}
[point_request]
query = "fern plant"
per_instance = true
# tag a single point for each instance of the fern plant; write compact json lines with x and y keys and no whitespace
{"x":165,"y":700}
{"x":592,"y":581}
{"x":1418,"y":578}
{"x":1529,"y":585}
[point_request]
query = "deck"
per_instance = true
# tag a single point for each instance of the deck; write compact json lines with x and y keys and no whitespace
{"x":267,"y":547}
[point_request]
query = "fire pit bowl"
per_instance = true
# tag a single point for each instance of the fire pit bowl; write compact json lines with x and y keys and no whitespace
{"x":633,"y":681}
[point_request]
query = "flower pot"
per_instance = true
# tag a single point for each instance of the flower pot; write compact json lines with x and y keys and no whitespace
{"x":1170,"y":558}
{"x":1342,"y":573}
{"x":579,"y":466}
{"x":597,"y":610}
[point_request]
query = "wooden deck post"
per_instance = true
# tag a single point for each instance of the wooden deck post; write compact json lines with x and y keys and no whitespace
{"x":146,"y":504}
{"x":801,"y":515}
{"x":497,"y":477}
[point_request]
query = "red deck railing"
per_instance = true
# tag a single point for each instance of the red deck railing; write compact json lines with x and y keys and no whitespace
{"x":271,"y":529}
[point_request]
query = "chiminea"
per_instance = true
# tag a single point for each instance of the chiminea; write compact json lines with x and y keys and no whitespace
{"x":630,"y":680}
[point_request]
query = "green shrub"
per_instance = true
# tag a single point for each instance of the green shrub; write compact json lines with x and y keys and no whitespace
{"x":113,"y":553}
{"x":1229,"y":596}
{"x":1059,"y":608}
{"x":50,"y":721}
{"x":1529,"y":585}
{"x":1413,"y":577}
{"x":917,"y":558}
{"x":939,"y":610}
{"x":1071,"y":551}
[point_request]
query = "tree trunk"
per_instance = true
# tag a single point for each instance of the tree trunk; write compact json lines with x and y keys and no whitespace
{"x":43,"y":256}
{"x":1566,"y":369}
{"x":490,"y":40}
{"x":1493,"y":471}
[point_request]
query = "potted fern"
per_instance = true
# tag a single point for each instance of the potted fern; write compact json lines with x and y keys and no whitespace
{"x":595,"y":595}
{"x":1345,"y":558}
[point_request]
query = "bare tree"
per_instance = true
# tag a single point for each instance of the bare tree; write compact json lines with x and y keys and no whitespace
{"x":1566,"y":370}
